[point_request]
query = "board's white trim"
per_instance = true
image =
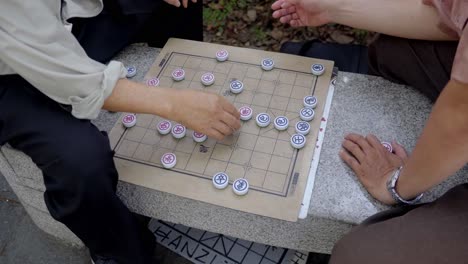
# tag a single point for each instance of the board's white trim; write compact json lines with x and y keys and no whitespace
{"x":315,"y":160}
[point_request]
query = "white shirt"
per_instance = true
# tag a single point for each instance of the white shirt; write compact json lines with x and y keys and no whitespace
{"x":35,"y":44}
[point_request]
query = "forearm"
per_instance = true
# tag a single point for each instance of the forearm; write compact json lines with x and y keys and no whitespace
{"x":401,"y":18}
{"x":442,"y":148}
{"x":133,"y":97}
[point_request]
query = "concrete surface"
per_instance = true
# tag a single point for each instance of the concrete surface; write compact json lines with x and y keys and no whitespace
{"x":21,"y":241}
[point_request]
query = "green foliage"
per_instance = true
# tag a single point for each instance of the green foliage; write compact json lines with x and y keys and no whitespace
{"x":360,"y":34}
{"x":216,"y":14}
{"x":259,"y":33}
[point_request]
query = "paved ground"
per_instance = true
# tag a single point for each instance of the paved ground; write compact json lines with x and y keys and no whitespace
{"x":21,"y":241}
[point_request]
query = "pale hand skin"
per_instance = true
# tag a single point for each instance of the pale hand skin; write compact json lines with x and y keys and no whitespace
{"x":176,"y":3}
{"x":207,"y":113}
{"x":302,"y":13}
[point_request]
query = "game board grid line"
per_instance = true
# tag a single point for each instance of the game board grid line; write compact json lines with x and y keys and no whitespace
{"x":211,"y":154}
{"x":211,"y":157}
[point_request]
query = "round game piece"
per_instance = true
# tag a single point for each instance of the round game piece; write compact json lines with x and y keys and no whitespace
{"x":268,"y":64}
{"x":302,"y":127}
{"x":207,"y":78}
{"x":222,"y":55}
{"x":263,"y":120}
{"x":178,"y":74}
{"x":388,"y":146}
{"x":317,"y":69}
{"x":169,"y":160}
{"x":199,"y":137}
{"x":307,"y":114}
{"x":310,"y":101}
{"x":240,"y":186}
{"x":178,"y":131}
{"x":281,"y":123}
{"x":236,"y":86}
{"x":298,"y":141}
{"x":129,"y":120}
{"x":153,"y":82}
{"x":164,"y":127}
{"x":220,"y":180}
{"x":131,"y":71}
{"x":245,"y":113}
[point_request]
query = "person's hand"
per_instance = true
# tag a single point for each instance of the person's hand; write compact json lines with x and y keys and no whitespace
{"x":299,"y":13}
{"x":372,"y":163}
{"x":207,"y":113}
{"x":176,"y":3}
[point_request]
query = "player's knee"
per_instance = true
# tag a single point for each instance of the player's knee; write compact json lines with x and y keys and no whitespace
{"x":345,"y":250}
{"x":87,"y":169}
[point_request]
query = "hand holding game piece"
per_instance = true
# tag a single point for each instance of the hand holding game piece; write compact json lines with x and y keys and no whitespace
{"x":372,"y":163}
{"x":207,"y":113}
{"x":301,"y":13}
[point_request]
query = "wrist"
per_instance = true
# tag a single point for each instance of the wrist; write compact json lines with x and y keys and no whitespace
{"x":397,"y":196}
{"x":405,"y":188}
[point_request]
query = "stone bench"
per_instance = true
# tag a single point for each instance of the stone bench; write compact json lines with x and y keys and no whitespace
{"x":361,"y":104}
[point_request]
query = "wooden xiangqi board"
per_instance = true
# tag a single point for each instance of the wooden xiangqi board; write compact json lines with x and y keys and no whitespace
{"x":277,"y":173}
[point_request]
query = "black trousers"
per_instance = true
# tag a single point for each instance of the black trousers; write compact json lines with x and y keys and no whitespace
{"x":424,"y":65}
{"x":74,"y":156}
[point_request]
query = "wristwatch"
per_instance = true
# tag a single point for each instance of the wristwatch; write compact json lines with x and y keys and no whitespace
{"x":391,"y":186}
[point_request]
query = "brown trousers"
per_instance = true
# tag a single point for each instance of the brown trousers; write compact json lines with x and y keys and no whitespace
{"x":436,"y":232}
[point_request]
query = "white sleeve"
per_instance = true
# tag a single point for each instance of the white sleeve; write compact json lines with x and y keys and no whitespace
{"x":35,"y":44}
